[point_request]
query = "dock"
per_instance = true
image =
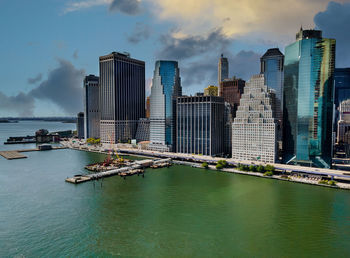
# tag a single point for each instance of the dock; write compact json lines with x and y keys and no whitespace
{"x":124,"y":171}
{"x":16,"y":154}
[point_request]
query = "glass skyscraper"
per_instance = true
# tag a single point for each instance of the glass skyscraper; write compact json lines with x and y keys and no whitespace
{"x":222,"y":69}
{"x":341,"y":90}
{"x":166,"y":88}
{"x":308,"y":99}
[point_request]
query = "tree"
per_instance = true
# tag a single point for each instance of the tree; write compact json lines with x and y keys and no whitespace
{"x":260,"y":169}
{"x":252,"y":168}
{"x":222,"y":162}
{"x":205,"y":165}
{"x":219,"y":166}
{"x":270,"y":168}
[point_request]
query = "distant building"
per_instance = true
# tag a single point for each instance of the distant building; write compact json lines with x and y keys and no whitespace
{"x":222,"y":69}
{"x":91,"y":107}
{"x":228,"y":120}
{"x":165,"y":89}
{"x":272,"y":63}
{"x":122,"y":96}
{"x":142,"y":133}
{"x":308,"y":100}
{"x":231,"y":90}
{"x":344,"y":121}
{"x":254,"y":130}
{"x":341,"y":90}
{"x":211,"y":90}
{"x":148,"y":107}
{"x":80,"y":125}
{"x":200,"y":125}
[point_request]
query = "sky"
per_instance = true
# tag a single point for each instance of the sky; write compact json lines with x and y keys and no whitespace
{"x":48,"y":46}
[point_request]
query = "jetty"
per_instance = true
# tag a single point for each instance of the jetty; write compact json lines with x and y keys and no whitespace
{"x":17,"y":154}
{"x":135,"y":169}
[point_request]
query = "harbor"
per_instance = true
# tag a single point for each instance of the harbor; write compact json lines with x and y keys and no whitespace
{"x":17,"y":154}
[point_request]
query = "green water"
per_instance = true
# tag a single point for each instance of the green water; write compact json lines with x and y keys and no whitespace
{"x":172,"y":212}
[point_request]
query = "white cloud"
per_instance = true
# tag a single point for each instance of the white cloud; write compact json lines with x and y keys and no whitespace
{"x":76,"y":6}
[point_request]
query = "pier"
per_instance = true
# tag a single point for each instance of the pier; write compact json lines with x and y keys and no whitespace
{"x":16,"y":154}
{"x":124,"y":171}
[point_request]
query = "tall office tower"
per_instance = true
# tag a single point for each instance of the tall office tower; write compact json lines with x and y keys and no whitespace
{"x":222,"y":69}
{"x":232,"y":90}
{"x":254,"y":130}
{"x":80,"y":125}
{"x":228,"y":119}
{"x":142,"y":133}
{"x":91,"y":107}
{"x":148,"y":107}
{"x":122,"y":96}
{"x":344,"y":121}
{"x":308,"y":99}
{"x":211,"y":90}
{"x":166,"y":88}
{"x":200,"y":125}
{"x":271,"y":64}
{"x":341,"y":90}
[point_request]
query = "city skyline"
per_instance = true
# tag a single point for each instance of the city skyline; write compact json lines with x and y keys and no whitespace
{"x":57,"y":56}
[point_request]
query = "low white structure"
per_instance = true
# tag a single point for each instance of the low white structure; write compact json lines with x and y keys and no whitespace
{"x":254,"y":129}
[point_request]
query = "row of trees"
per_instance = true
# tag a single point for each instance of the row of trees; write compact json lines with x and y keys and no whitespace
{"x":93,"y":141}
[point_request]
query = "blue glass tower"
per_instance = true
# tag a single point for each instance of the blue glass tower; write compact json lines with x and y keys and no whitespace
{"x":308,"y":99}
{"x":165,"y":89}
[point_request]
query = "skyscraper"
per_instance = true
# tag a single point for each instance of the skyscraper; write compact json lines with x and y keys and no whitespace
{"x":222,"y":69}
{"x":122,"y":96}
{"x":200,"y":125}
{"x":254,"y":130}
{"x":308,"y":99}
{"x":165,"y":89}
{"x":231,"y":90}
{"x":271,"y":64}
{"x":344,"y":121}
{"x":91,"y":107}
{"x":341,"y":90}
{"x":80,"y":125}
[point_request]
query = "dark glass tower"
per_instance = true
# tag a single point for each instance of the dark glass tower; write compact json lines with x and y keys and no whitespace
{"x":91,"y":107}
{"x":122,"y":96}
{"x":222,"y":69}
{"x":308,"y":99}
{"x":341,"y":89}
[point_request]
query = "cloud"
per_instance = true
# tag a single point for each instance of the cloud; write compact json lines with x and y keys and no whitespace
{"x":35,"y":79}
{"x":181,"y":47}
{"x":334,"y":22}
{"x":140,"y":32}
{"x":130,"y":7}
{"x":21,"y":104}
{"x":75,"y":54}
{"x":63,"y":87}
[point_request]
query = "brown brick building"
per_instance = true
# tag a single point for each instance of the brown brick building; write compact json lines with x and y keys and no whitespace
{"x":232,"y":90}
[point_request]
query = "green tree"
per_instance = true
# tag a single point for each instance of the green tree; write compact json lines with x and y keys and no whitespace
{"x":260,"y":169}
{"x":219,"y":166}
{"x":205,"y":165}
{"x":252,"y":168}
{"x":270,"y":168}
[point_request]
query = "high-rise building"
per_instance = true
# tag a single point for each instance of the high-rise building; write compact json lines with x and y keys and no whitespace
{"x":165,"y":89}
{"x":254,"y":130}
{"x":122,"y":96}
{"x":80,"y":125}
{"x":91,"y":107}
{"x":228,"y":120}
{"x":222,"y":69}
{"x":200,"y":125}
{"x":308,"y":99}
{"x":341,"y":90}
{"x":231,"y":90}
{"x":271,"y":64}
{"x":344,"y":121}
{"x":148,"y":107}
{"x":142,"y":133}
{"x":211,"y":90}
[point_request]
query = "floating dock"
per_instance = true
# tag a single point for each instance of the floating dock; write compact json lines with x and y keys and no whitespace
{"x":16,"y":154}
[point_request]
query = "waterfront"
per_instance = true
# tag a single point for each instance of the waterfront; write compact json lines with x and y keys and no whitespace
{"x":177,"y":211}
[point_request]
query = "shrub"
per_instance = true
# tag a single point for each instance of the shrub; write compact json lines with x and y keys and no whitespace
{"x":252,"y":168}
{"x":205,"y":165}
{"x":332,"y":182}
{"x":219,"y":166}
{"x":260,"y":169}
{"x":223,"y":163}
{"x":270,"y":168}
{"x":323,"y":182}
{"x":268,"y":173}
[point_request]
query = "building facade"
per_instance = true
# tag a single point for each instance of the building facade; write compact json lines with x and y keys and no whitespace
{"x":211,"y":90}
{"x":308,"y":99}
{"x":271,"y":65}
{"x":142,"y":133}
{"x":343,"y":122}
{"x":254,"y":130}
{"x":228,"y":120}
{"x":91,"y":107}
{"x":122,"y":96}
{"x":231,"y":90}
{"x":148,"y":107}
{"x":80,"y":125}
{"x":200,"y":125}
{"x":341,"y":90}
{"x":165,"y":89}
{"x":222,"y":69}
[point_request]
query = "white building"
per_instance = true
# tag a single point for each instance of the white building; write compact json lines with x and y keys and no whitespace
{"x":344,"y":121}
{"x":254,"y":129}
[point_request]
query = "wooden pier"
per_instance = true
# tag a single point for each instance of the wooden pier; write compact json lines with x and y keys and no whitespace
{"x":16,"y":154}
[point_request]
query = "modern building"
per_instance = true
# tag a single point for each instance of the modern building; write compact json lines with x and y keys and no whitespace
{"x":222,"y":69}
{"x":341,"y":90}
{"x":308,"y":99}
{"x":122,"y":96}
{"x":228,"y":120}
{"x":343,"y":122}
{"x":200,"y":125}
{"x":142,"y":133}
{"x":231,"y":90}
{"x":91,"y":107}
{"x":148,"y":107}
{"x":254,"y":130}
{"x":211,"y":90}
{"x":165,"y":89}
{"x":80,"y":125}
{"x":271,"y":64}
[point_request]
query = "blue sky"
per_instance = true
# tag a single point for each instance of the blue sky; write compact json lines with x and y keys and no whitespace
{"x":47,"y":46}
